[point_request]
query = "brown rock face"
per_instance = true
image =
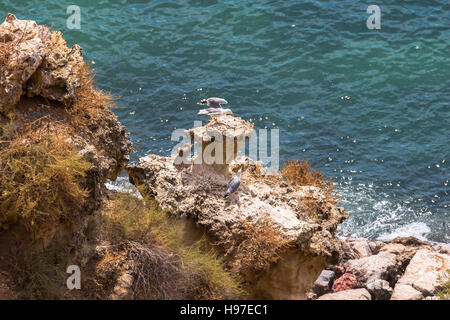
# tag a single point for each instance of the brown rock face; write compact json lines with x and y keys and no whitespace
{"x":196,"y":189}
{"x":37,"y":62}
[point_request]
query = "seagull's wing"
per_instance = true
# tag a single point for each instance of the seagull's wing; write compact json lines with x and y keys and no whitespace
{"x":233,"y":185}
{"x":210,"y":111}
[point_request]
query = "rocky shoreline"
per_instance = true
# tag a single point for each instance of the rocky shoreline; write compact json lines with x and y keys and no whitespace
{"x":402,"y":269}
{"x":276,"y":234}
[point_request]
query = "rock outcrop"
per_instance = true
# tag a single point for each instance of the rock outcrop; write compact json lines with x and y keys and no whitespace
{"x":36,"y":62}
{"x":40,"y":80}
{"x":194,"y":187}
{"x":46,"y":95}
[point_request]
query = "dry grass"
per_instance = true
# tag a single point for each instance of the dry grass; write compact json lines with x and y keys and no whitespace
{"x":40,"y":175}
{"x":40,"y":275}
{"x":300,"y":174}
{"x":130,"y":218}
{"x":444,"y":292}
{"x":157,"y":273}
{"x":89,"y":99}
{"x":206,"y":275}
{"x":165,"y":267}
{"x":256,"y":246}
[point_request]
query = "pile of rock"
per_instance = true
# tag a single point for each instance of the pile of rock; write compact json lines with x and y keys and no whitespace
{"x":403,"y":269}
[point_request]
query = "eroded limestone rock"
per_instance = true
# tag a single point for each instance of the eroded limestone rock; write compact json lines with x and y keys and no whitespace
{"x":196,"y":189}
{"x":37,"y":62}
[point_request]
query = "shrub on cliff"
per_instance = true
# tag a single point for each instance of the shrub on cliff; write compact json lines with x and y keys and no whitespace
{"x":40,"y":274}
{"x":163,"y":265}
{"x":300,"y":174}
{"x":88,"y":97}
{"x":256,"y":246}
{"x":40,"y":176}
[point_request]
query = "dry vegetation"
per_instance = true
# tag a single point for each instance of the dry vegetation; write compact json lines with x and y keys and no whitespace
{"x":88,"y":97}
{"x":255,"y":246}
{"x":163,"y":266}
{"x":41,"y":179}
{"x":300,"y":174}
{"x":157,"y":273}
{"x":40,"y":274}
{"x":444,"y":292}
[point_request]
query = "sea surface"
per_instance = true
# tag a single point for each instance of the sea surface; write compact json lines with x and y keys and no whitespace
{"x":370,"y":108}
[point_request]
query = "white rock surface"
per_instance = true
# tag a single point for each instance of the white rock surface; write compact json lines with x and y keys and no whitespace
{"x":353,"y":294}
{"x":423,"y":271}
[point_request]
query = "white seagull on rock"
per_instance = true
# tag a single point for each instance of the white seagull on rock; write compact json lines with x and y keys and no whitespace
{"x":234,"y":184}
{"x":215,"y":107}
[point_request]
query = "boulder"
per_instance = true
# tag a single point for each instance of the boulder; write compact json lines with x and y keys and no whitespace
{"x":345,"y":282}
{"x":379,"y":289}
{"x":338,"y":270}
{"x":405,"y":292}
{"x":384,"y":266}
{"x":353,"y":294}
{"x":442,"y":248}
{"x":355,"y":248}
{"x":375,"y":246}
{"x":323,"y":283}
{"x":424,"y":270}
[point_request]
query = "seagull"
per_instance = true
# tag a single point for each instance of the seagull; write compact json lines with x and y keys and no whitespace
{"x":234,"y":184}
{"x":215,"y":107}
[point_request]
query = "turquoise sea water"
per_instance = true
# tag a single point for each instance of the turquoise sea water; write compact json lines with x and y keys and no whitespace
{"x":370,"y":108}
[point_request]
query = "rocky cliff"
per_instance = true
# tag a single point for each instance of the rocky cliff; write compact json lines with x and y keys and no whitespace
{"x":46,"y":88}
{"x":59,"y":143}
